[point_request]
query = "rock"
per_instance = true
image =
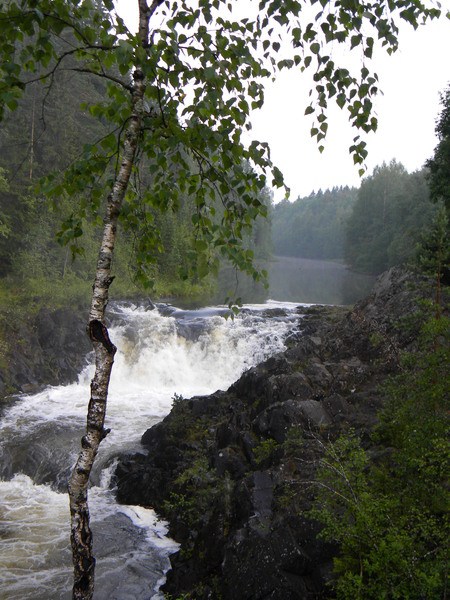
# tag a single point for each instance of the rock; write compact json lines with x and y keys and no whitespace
{"x":314,"y":413}
{"x":276,"y":421}
{"x":262,"y":496}
{"x":337,"y":407}
{"x":256,"y":448}
{"x":49,"y":348}
{"x":229,"y":460}
{"x":270,"y":313}
{"x":282,"y":564}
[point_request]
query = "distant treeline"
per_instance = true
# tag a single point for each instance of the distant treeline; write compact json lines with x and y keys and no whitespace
{"x":313,"y":227}
{"x":372,"y":228}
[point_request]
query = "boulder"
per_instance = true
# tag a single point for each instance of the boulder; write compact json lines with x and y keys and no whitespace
{"x":242,"y":523}
{"x":49,"y":347}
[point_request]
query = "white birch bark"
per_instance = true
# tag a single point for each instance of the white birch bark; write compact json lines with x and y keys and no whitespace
{"x":81,"y":535}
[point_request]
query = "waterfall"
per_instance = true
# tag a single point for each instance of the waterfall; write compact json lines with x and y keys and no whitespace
{"x":161,"y":352}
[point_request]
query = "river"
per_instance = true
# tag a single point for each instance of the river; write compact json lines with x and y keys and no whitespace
{"x":298,"y":280}
{"x":161,"y":352}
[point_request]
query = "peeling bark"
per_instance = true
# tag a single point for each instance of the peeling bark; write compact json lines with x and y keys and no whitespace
{"x":81,"y":535}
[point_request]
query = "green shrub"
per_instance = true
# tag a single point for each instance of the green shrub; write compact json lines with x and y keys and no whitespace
{"x":390,"y":516}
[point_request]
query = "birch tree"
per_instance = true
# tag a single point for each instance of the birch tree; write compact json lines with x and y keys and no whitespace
{"x":178,"y":100}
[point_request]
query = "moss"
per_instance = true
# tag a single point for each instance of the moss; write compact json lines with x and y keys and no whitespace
{"x":197,"y":488}
{"x":264,"y":451}
{"x":294,"y":441}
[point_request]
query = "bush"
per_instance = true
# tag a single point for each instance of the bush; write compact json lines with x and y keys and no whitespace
{"x":390,"y":516}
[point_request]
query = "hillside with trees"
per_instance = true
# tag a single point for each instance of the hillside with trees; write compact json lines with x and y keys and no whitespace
{"x":391,"y":210}
{"x":376,"y":226}
{"x":48,"y":248}
{"x":372,"y":228}
{"x":314,"y":226}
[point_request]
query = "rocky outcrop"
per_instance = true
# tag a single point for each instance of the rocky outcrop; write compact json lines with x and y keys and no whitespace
{"x":234,"y":472}
{"x":48,"y":348}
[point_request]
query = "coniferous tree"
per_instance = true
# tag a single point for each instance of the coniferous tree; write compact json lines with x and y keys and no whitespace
{"x":384,"y":227}
{"x":439,"y":164}
{"x":313,"y":227}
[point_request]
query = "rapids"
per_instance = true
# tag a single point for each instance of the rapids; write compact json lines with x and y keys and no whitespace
{"x":161,"y":352}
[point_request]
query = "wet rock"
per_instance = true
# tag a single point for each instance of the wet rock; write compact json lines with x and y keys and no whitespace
{"x":256,"y":448}
{"x":135,"y":575}
{"x":270,"y":313}
{"x":191,"y":330}
{"x":49,"y":348}
{"x":262,"y":497}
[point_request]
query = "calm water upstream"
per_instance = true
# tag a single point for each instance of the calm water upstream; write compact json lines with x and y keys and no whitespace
{"x":299,"y":280}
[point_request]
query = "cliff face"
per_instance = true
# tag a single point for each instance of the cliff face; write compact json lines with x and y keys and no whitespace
{"x":48,"y":348}
{"x":234,"y":472}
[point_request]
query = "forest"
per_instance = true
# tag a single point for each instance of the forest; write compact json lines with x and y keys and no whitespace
{"x":376,"y":226}
{"x":48,"y":242}
{"x":371,"y":228}
{"x":48,"y":247}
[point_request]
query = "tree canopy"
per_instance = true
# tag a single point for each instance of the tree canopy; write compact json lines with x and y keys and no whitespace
{"x":391,"y":209}
{"x":313,"y":227}
{"x":439,"y":164}
{"x":204,"y":70}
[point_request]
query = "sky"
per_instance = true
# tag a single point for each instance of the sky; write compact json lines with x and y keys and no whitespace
{"x":411,"y":80}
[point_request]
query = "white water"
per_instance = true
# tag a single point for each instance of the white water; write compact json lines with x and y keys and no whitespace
{"x":188,"y":353}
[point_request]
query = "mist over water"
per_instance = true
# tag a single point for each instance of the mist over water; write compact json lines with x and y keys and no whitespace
{"x":160,"y":353}
{"x":300,"y":280}
{"x":317,"y":281}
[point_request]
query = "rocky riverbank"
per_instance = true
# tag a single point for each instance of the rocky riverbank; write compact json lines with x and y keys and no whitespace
{"x":46,"y":348}
{"x":234,"y":472}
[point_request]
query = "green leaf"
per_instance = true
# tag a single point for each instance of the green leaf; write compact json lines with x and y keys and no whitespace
{"x":278,"y":179}
{"x":341,"y":100}
{"x":200,"y":245}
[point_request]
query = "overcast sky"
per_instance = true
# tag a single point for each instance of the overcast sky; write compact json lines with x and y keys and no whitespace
{"x":411,"y":80}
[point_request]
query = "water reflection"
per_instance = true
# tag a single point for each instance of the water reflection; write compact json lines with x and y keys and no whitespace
{"x":298,"y":280}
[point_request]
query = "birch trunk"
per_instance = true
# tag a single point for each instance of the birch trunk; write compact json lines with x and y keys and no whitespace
{"x":81,"y":535}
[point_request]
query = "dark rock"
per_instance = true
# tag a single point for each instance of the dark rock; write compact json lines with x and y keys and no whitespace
{"x":278,"y":419}
{"x":258,"y":445}
{"x":296,"y":386}
{"x":48,"y":348}
{"x":191,"y":330}
{"x":282,"y":563}
{"x":270,"y":313}
{"x":337,"y":407}
{"x":229,"y":460}
{"x":262,"y":496}
{"x":314,"y":413}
